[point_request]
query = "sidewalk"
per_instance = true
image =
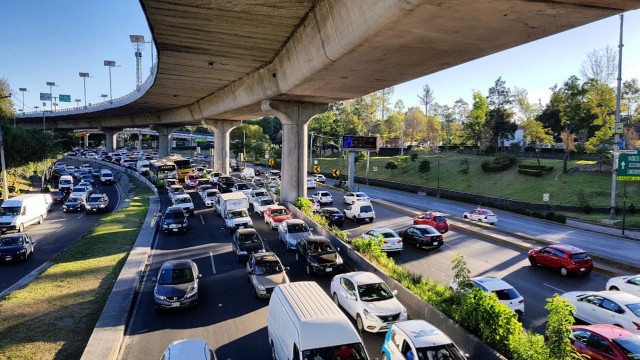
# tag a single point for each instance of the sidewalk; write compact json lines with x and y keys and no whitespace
{"x":604,"y":229}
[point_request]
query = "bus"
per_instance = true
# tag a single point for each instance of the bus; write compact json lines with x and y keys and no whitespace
{"x":160,"y":170}
{"x":183,"y":165}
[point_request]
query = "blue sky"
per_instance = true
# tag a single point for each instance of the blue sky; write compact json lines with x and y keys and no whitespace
{"x":54,"y":40}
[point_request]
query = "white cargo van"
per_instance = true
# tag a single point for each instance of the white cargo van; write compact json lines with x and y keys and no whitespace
{"x":65,"y":183}
{"x":106,"y":176}
{"x":247,"y":173}
{"x":305,"y":324}
{"x":21,"y":211}
{"x":142,"y":167}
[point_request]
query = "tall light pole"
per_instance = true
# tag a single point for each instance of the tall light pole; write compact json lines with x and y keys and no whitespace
{"x":84,"y":76}
{"x":5,"y":186}
{"x":23,"y":91}
{"x":138,"y":44}
{"x":51,"y":84}
{"x":110,"y":64}
{"x":616,"y":137}
{"x":104,"y":97}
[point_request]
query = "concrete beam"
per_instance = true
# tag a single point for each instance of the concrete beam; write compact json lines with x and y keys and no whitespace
{"x":221,"y":131}
{"x":294,"y":118}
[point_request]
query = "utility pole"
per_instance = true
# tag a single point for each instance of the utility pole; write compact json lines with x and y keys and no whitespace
{"x":5,"y":186}
{"x":311,"y":152}
{"x":616,"y":137}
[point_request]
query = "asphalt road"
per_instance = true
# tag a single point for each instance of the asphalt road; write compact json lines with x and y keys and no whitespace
{"x":59,"y":231}
{"x":230,"y":319}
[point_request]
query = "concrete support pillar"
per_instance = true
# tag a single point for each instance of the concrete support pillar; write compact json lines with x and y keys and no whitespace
{"x":163,"y":139}
{"x":294,"y":118}
{"x":86,"y":140}
{"x":110,"y":139}
{"x":139,"y":139}
{"x":221,"y":131}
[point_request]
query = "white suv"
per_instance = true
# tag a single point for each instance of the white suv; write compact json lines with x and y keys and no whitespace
{"x":360,"y":212}
{"x":323,"y":197}
{"x":506,"y":293}
{"x":183,"y":201}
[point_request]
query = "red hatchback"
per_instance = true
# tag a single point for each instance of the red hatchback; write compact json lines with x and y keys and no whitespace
{"x":435,"y":219}
{"x":605,"y":342}
{"x":564,"y":258}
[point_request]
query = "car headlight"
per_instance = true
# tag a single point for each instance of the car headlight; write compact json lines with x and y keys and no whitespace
{"x":261,"y":287}
{"x":22,"y":251}
{"x":242,"y":253}
{"x":369,"y":316}
{"x":338,"y":259}
{"x":250,"y":223}
{"x":165,"y":226}
{"x":160,"y":297}
{"x":192,"y":292}
{"x":403,"y":312}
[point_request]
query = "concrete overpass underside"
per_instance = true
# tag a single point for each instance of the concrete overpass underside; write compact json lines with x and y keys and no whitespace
{"x":224,"y":61}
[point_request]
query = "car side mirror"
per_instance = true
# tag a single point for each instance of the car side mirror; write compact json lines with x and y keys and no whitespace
{"x":395,"y":292}
{"x":199,"y":276}
{"x":286,"y":268}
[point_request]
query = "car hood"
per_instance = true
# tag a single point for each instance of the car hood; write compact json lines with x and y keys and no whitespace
{"x":250,"y":247}
{"x":174,"y":290}
{"x":174,"y":221}
{"x":573,"y":296}
{"x":324,"y":258}
{"x":297,"y":236}
{"x":386,"y":307}
{"x":94,"y":203}
{"x":7,"y":218}
{"x":281,"y":218}
{"x":10,"y":249}
{"x":271,"y":280}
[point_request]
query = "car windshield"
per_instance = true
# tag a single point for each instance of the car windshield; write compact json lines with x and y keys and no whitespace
{"x":374,"y":292}
{"x":388,"y":235}
{"x":79,"y":189}
{"x":251,"y":238}
{"x":279,"y":212}
{"x":361,"y":195}
{"x":183,"y":200}
{"x":579,"y":256}
{"x":353,"y":351}
{"x":439,"y":218}
{"x":332,"y":211}
{"x":365,"y":209}
{"x":487,"y":212}
{"x":177,"y":190}
{"x":266,"y":202}
{"x":440,"y":352}
{"x":73,"y":199}
{"x":260,"y":193}
{"x":268,"y":268}
{"x":11,"y":241}
{"x":635,"y":309}
{"x":10,"y":210}
{"x":507,"y":294}
{"x":211,"y":193}
{"x":175,"y":276}
{"x":65,"y":182}
{"x":242,"y":186}
{"x":297,"y":228}
{"x":95,"y":199}
{"x":320,"y":247}
{"x":238,"y":214}
{"x":174,"y":215}
{"x":630,"y":346}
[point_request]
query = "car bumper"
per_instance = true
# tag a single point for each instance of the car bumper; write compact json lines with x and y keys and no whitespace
{"x":327,"y":269}
{"x":12,"y":257}
{"x":379,"y":325}
{"x":396,"y":247}
{"x":264,"y":294}
{"x":7,"y":227}
{"x":585,"y":269}
{"x":173,"y":304}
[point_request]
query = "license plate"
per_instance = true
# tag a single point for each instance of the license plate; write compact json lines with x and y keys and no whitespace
{"x":4,"y":229}
{"x":176,"y":304}
{"x":328,"y":269}
{"x":582,"y":269}
{"x":175,"y":229}
{"x":8,"y":258}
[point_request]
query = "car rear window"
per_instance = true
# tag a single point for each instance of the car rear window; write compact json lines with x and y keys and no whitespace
{"x":439,"y":218}
{"x":579,"y":256}
{"x":507,"y":294}
{"x":366,"y":209}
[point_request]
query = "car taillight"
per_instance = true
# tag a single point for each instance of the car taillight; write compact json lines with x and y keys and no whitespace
{"x":399,"y":240}
{"x":385,"y":242}
{"x":521,"y":301}
{"x":637,"y":325}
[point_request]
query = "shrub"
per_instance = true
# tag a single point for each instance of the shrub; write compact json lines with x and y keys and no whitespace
{"x":560,"y":219}
{"x":499,"y":163}
{"x":391,"y":165}
{"x":535,"y":173}
{"x":303,"y":204}
{"x":587,"y":209}
{"x":413,"y":157}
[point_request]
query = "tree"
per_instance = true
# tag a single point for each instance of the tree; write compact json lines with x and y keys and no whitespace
{"x":249,"y":138}
{"x":426,"y":98}
{"x":424,"y":167}
{"x":600,"y":65}
{"x":631,"y":98}
{"x":391,"y":127}
{"x":414,"y":124}
{"x":6,"y":105}
{"x":630,"y":138}
{"x":499,"y":115}
{"x":569,"y":141}
{"x":461,"y":273}
{"x":559,"y":328}
{"x":431,"y":131}
{"x":477,"y":117}
{"x":524,"y":109}
{"x":601,"y":100}
{"x":537,"y":135}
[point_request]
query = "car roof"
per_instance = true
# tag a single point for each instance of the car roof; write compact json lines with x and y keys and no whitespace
{"x":315,"y":238}
{"x":566,"y":248}
{"x":182,"y":196}
{"x":331,"y":209}
{"x":363,"y":277}
{"x":492,"y":283}
{"x":422,"y":333}
{"x":381,"y":230}
{"x":174,"y":208}
{"x":607,"y":330}
{"x":423,"y":227}
{"x":246,"y":231}
{"x":618,"y":296}
{"x":177,"y":264}
{"x":294,"y":221}
{"x":188,"y":349}
{"x":265,"y":257}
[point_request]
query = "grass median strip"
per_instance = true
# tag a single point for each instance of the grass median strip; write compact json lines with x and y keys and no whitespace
{"x":54,"y":315}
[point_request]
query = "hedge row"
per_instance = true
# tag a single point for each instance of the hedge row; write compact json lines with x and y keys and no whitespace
{"x":535,"y":167}
{"x":535,"y":173}
{"x":499,"y":163}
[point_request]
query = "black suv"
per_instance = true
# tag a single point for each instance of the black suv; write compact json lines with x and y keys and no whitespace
{"x":333,"y":215}
{"x":317,"y":255}
{"x":225,"y":184}
{"x":174,"y":220}
{"x":246,"y":242}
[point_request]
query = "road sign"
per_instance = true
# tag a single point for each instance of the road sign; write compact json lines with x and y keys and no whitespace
{"x":628,"y":166}
{"x":375,"y":168}
{"x":336,"y":172}
{"x":244,"y":158}
{"x":617,"y":128}
{"x":361,"y":142}
{"x":316,"y":169}
{"x":545,"y":197}
{"x":272,"y":162}
{"x":64,"y":98}
{"x":45,"y":96}
{"x":266,"y":154}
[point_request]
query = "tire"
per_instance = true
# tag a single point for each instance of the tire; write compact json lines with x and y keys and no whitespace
{"x":335,"y":300}
{"x":273,"y":352}
{"x":384,"y":356}
{"x":533,"y":261}
{"x":563,"y":271}
{"x":359,"y":324}
{"x":614,"y":288}
{"x":26,"y":256}
{"x":40,"y":220}
{"x":21,"y":228}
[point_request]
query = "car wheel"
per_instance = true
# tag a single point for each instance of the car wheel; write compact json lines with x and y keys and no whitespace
{"x":614,"y":288}
{"x":273,"y":352}
{"x":308,"y":270}
{"x":40,"y":220}
{"x":335,"y":300}
{"x":26,"y":256}
{"x":21,"y":228}
{"x":359,"y":323}
{"x":384,"y":356}
{"x":533,"y":261}
{"x":563,"y":271}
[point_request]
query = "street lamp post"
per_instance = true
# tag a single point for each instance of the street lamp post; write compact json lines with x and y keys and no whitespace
{"x":104,"y":97}
{"x":51,"y":84}
{"x":110,"y":64}
{"x":84,"y":76}
{"x":77,"y":102}
{"x":23,"y":91}
{"x":138,"y":43}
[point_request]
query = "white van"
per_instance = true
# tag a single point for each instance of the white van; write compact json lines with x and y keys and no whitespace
{"x":360,"y":212}
{"x":106,"y":176}
{"x":24,"y":210}
{"x":248,"y":173}
{"x":142,"y":166}
{"x":305,"y":324}
{"x":65,"y":183}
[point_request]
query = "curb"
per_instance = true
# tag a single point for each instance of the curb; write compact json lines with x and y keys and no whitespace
{"x":26,"y":279}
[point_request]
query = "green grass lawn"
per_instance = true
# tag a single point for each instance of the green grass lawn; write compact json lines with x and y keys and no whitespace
{"x":54,"y":316}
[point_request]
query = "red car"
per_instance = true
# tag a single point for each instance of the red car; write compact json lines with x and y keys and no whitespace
{"x":605,"y":342}
{"x":564,"y":258}
{"x":435,"y":219}
{"x":274,"y":215}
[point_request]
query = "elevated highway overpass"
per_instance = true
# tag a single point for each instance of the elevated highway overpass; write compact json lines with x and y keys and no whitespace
{"x":222,"y":62}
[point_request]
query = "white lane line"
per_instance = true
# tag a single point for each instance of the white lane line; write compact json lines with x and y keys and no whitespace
{"x":213,"y":264}
{"x":201,"y":219}
{"x":80,"y":216}
{"x":60,"y":229}
{"x":555,"y":288}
